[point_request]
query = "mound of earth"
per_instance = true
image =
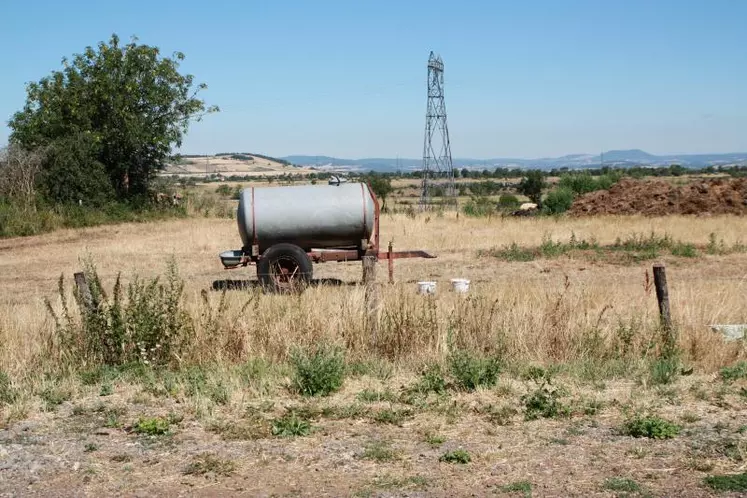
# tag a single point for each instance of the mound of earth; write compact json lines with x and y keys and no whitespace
{"x":657,"y":198}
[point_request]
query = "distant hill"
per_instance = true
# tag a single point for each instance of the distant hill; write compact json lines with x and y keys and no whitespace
{"x":619,"y":158}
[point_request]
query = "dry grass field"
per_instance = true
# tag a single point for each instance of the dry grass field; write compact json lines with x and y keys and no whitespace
{"x":450,"y":396}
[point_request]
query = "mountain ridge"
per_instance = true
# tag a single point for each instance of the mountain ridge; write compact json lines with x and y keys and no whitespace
{"x":619,"y":158}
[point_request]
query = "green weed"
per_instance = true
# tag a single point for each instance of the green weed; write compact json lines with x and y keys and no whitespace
{"x":651,"y":427}
{"x":524,"y":487}
{"x":734,"y":482}
{"x":318,"y":372}
{"x":291,"y":425}
{"x":734,"y":372}
{"x":152,"y":426}
{"x":471,"y":371}
{"x":456,"y":456}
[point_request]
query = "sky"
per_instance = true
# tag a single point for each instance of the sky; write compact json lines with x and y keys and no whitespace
{"x":536,"y":78}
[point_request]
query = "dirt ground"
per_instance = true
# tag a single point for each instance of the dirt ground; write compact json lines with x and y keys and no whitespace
{"x":660,"y":197}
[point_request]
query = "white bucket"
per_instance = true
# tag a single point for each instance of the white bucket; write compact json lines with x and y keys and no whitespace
{"x":460,"y":285}
{"x":426,"y":287}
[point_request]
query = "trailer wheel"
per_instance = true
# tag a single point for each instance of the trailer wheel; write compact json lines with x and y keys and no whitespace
{"x":284,"y":268}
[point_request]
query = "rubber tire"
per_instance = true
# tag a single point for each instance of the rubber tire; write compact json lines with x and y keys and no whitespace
{"x":284,"y":251}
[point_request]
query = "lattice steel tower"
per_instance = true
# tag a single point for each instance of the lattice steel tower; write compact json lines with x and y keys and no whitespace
{"x":436,"y":146}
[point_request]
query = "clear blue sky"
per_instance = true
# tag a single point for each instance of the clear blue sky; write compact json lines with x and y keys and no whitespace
{"x":347,"y":78}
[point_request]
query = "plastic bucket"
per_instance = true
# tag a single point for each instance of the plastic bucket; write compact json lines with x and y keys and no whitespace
{"x":460,"y":285}
{"x":426,"y":287}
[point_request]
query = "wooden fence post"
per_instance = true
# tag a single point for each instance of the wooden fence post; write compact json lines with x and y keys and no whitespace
{"x":662,"y":296}
{"x":84,"y":291}
{"x":390,"y":263}
{"x":371,"y":296}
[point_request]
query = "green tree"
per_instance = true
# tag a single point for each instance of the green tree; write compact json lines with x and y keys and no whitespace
{"x":123,"y":107}
{"x":532,"y":184}
{"x":381,"y":185}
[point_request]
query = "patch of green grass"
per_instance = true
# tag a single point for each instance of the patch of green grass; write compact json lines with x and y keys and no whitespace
{"x":734,"y":372}
{"x":622,"y":484}
{"x":456,"y":456}
{"x":651,"y":427}
{"x":524,"y":487}
{"x":513,"y":252}
{"x":734,"y":482}
{"x":374,"y":395}
{"x":665,"y":370}
{"x":106,"y":390}
{"x":152,"y":426}
{"x":291,"y":425}
{"x":684,"y":250}
{"x":209,"y":463}
{"x":379,"y":451}
{"x":90,"y":448}
{"x":318,"y":372}
{"x":434,"y":439}
{"x":471,"y":371}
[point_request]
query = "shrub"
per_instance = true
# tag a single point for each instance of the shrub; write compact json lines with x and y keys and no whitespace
{"x":508,"y":202}
{"x":558,"y":201}
{"x":544,"y":401}
{"x":479,"y":206}
{"x":319,"y":372}
{"x":456,"y":456}
{"x":665,"y":369}
{"x":150,"y":326}
{"x":471,"y":371}
{"x":651,"y":427}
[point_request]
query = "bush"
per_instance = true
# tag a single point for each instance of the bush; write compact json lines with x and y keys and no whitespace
{"x":150,"y":326}
{"x":558,"y":201}
{"x":479,"y":206}
{"x":431,"y":380}
{"x":508,"y":202}
{"x":319,"y":372}
{"x":651,"y":427}
{"x":471,"y":372}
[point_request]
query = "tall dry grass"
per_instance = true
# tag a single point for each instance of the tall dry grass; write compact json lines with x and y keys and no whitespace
{"x":559,"y":311}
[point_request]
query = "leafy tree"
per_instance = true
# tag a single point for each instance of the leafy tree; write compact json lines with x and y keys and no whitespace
{"x":121,"y":107}
{"x":532,"y":184}
{"x":381,"y":185}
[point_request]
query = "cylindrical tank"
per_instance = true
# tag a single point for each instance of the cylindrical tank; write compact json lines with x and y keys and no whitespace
{"x":309,"y":216}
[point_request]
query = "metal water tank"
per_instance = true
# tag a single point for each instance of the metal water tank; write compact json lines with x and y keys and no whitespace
{"x":309,"y":216}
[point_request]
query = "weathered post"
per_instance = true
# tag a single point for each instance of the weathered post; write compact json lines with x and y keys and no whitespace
{"x":371,"y":296}
{"x":84,"y":291}
{"x":390,"y":263}
{"x":662,"y":296}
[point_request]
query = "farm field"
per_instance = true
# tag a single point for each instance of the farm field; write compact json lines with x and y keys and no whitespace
{"x":544,"y":381}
